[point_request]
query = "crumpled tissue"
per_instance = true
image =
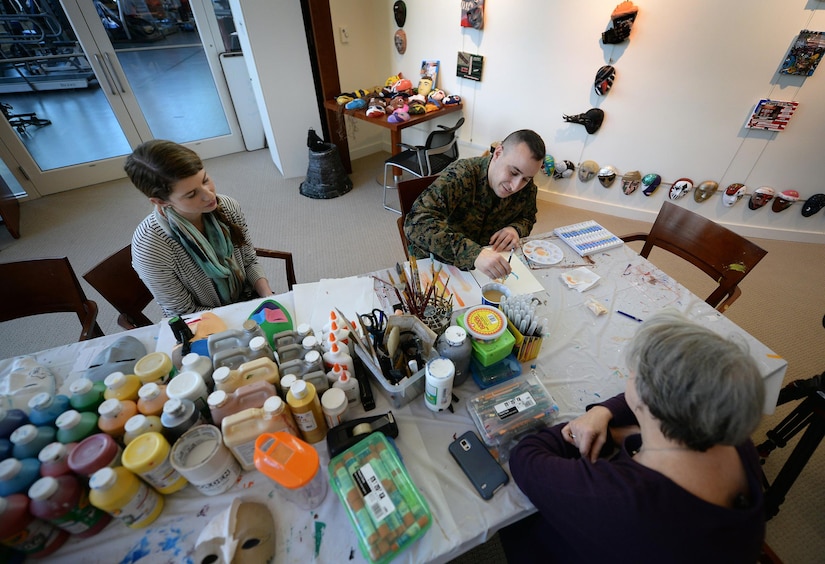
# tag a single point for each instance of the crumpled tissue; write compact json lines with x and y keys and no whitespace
{"x":580,"y":279}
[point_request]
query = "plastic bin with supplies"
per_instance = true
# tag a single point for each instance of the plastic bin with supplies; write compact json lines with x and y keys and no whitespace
{"x":382,"y":503}
{"x":506,"y":412}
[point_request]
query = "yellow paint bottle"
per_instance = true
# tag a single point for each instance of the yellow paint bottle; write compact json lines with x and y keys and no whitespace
{"x":120,"y":493}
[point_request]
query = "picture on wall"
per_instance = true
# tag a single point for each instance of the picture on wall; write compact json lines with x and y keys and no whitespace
{"x":469,"y":66}
{"x":805,"y":53}
{"x":472,"y":13}
{"x":772,"y":115}
{"x":430,"y":68}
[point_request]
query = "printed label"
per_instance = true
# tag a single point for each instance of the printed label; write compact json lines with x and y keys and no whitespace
{"x":515,"y":405}
{"x":163,"y":476}
{"x":306,"y":421}
{"x":81,"y":518}
{"x":139,"y":508}
{"x":245,"y":452}
{"x":375,"y":496}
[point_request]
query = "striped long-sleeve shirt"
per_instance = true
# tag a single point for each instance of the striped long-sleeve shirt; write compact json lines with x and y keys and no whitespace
{"x":176,"y":281}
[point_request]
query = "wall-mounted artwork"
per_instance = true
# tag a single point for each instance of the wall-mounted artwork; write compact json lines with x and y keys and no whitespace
{"x":805,"y":53}
{"x":469,"y":66}
{"x":430,"y":68}
{"x":772,"y":115}
{"x":472,"y":13}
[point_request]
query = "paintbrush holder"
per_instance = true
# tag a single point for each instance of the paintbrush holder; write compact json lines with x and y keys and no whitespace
{"x":437,"y":315}
{"x":526,"y":347}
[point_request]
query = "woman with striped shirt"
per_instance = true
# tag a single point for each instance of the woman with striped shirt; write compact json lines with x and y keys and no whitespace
{"x":193,"y":251}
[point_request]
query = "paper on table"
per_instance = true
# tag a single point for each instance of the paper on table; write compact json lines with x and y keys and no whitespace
{"x":520,"y":281}
{"x":580,"y":278}
{"x":314,"y":301}
{"x":463,"y":287}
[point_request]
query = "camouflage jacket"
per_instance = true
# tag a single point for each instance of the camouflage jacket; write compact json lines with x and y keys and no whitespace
{"x":456,"y":216}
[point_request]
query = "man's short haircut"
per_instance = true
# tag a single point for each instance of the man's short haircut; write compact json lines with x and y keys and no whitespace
{"x":530,"y":138}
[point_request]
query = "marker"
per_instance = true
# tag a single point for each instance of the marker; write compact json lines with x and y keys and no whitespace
{"x":620,"y":312}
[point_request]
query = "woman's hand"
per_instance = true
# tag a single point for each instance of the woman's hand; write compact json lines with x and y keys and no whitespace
{"x":588,"y":432}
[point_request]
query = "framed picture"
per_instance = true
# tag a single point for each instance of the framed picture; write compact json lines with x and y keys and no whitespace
{"x":772,"y":115}
{"x":472,"y":13}
{"x":469,"y":66}
{"x":805,"y":53}
{"x":430,"y":68}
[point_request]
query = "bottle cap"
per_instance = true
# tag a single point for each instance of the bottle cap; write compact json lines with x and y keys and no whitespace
{"x":53,"y":452}
{"x":149,"y":391}
{"x":299,"y":389}
{"x":184,"y":384}
{"x":136,"y":424}
{"x":288,"y":380}
{"x":221,"y":374}
{"x":190,"y":358}
{"x":312,"y":357}
{"x":110,"y":408}
{"x":24,"y":434}
{"x":309,"y":342}
{"x":257,"y":343}
{"x":103,"y":479}
{"x":304,"y":329}
{"x":115,"y":380}
{"x":41,"y":400}
{"x":217,"y":398}
{"x":250,"y":325}
{"x":44,"y":488}
{"x":10,"y":468}
{"x":172,"y":406}
{"x":68,"y":419}
{"x":333,"y":399}
{"x":273,"y":404}
{"x":81,"y":386}
{"x":455,"y":335}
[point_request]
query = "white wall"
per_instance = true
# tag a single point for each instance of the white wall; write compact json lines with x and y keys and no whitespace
{"x":687,"y":81}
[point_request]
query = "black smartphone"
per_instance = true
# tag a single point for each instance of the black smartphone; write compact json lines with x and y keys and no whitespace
{"x":484,"y":472}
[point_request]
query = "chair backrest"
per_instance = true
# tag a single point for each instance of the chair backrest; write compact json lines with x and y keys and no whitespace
{"x":46,"y":285}
{"x":443,"y":141}
{"x":121,"y":286}
{"x":717,"y":251}
{"x":285,"y":256}
{"x":408,"y":192}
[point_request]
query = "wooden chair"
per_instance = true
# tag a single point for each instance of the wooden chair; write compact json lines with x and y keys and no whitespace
{"x":121,"y":286}
{"x":408,"y":192}
{"x":46,"y":285}
{"x":717,"y":251}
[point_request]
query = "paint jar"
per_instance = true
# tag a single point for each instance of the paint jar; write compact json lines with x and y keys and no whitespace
{"x":189,"y":385}
{"x":241,"y":429}
{"x":73,"y":426}
{"x":44,"y":408}
{"x":29,"y":440}
{"x":122,"y":386}
{"x":277,"y":409}
{"x":155,"y":367}
{"x":294,"y":466}
{"x":179,"y":415}
{"x":114,"y":414}
{"x":201,"y":457}
{"x":317,"y":379}
{"x":120,"y":493}
{"x":93,"y":453}
{"x":350,"y":387}
{"x":139,"y":424}
{"x":11,"y":419}
{"x":24,"y":533}
{"x":438,"y":384}
{"x":455,"y":344}
{"x":54,"y":459}
{"x":311,"y":343}
{"x":222,"y":404}
{"x":151,"y":398}
{"x":16,"y":476}
{"x":86,"y":395}
{"x":64,"y":502}
{"x":201,"y":364}
{"x":5,"y":449}
{"x":334,"y":403}
{"x":306,"y":408}
{"x":148,"y":457}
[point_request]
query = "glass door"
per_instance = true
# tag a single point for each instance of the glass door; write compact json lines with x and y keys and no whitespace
{"x":84,"y":81}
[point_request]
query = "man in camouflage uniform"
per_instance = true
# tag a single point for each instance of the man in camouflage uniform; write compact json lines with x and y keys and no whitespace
{"x":477,"y":202}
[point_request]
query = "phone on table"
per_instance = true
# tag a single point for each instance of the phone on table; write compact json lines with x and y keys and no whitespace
{"x":484,"y":471}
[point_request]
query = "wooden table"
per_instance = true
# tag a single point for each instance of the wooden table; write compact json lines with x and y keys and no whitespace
{"x":334,"y":114}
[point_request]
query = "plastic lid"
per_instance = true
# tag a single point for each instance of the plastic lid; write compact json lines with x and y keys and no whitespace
{"x":24,"y":434}
{"x":136,"y":423}
{"x":334,"y":399}
{"x":286,"y":459}
{"x":303,"y":328}
{"x":309,"y":342}
{"x":10,"y":468}
{"x":312,"y":357}
{"x":143,"y":449}
{"x":115,"y":380}
{"x":455,"y":335}
{"x":288,"y":380}
{"x":81,"y":386}
{"x":68,"y":419}
{"x":153,"y":365}
{"x":172,"y":406}
{"x":485,"y":323}
{"x":93,"y":452}
{"x":250,"y":325}
{"x":53,"y":452}
{"x":184,"y":383}
{"x":44,"y":488}
{"x":103,"y":479}
{"x":190,"y":358}
{"x":110,"y":408}
{"x":217,"y":398}
{"x":41,"y":400}
{"x":273,"y":404}
{"x":149,"y":391}
{"x":299,"y":389}
{"x":257,"y":343}
{"x":221,"y":374}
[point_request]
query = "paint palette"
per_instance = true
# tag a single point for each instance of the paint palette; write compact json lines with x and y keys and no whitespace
{"x":542,"y":252}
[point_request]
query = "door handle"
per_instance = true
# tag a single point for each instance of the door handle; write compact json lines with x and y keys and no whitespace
{"x":114,"y":73}
{"x":105,"y":72}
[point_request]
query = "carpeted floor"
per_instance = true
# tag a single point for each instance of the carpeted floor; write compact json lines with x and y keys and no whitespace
{"x":782,"y":303}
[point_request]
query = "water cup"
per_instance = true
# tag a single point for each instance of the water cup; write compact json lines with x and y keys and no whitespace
{"x":492,"y":293}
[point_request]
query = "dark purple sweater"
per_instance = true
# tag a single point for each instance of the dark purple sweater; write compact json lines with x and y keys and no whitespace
{"x":617,"y":510}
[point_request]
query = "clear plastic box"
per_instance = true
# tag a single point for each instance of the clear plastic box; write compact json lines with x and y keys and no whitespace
{"x":382,"y":503}
{"x":506,"y":412}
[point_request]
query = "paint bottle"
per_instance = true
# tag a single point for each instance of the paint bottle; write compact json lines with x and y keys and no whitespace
{"x":227,"y":379}
{"x":73,"y":426}
{"x":338,"y":355}
{"x":93,"y":453}
{"x":148,"y":457}
{"x":334,"y":403}
{"x":29,"y":440}
{"x":201,"y":457}
{"x":285,"y":338}
{"x":200,"y":364}
{"x":54,"y":459}
{"x":304,"y":330}
{"x":260,"y":369}
{"x":114,"y":414}
{"x":16,"y":476}
{"x":5,"y":449}
{"x":456,"y":345}
{"x":306,"y":408}
{"x":438,"y":383}
{"x":349,"y":385}
{"x":44,"y":408}
{"x":259,"y":348}
{"x":335,"y":373}
{"x":317,"y":379}
{"x":287,"y":353}
{"x":139,"y":424}
{"x":189,"y":385}
{"x":86,"y":395}
{"x":11,"y":419}
{"x":233,"y":338}
{"x":120,"y":493}
{"x":22,"y":532}
{"x":179,"y":415}
{"x":151,"y":398}
{"x":222,"y":404}
{"x":155,"y":367}
{"x":286,"y":384}
{"x":122,"y":386}
{"x":277,"y":409}
{"x":294,"y":466}
{"x":64,"y":502}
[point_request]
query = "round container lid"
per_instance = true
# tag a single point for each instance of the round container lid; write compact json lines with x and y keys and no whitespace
{"x":41,"y":400}
{"x":221,"y":374}
{"x":67,"y":419}
{"x":103,"y":479}
{"x":257,"y":343}
{"x":190,"y":358}
{"x":273,"y":404}
{"x":485,"y":323}
{"x":216,"y":398}
{"x":44,"y":488}
{"x":24,"y":434}
{"x":288,"y":380}
{"x":115,"y":380}
{"x":10,"y":468}
{"x":312,"y":356}
{"x":249,"y":325}
{"x":149,"y":391}
{"x":173,"y":405}
{"x":153,"y":364}
{"x":143,"y":448}
{"x":184,"y":384}
{"x":110,"y":408}
{"x":455,"y":335}
{"x":298,"y":389}
{"x":52,"y":452}
{"x":303,"y":328}
{"x":441,"y":368}
{"x":135,"y":423}
{"x":87,"y":455}
{"x":286,"y":459}
{"x":333,"y":399}
{"x":81,"y":386}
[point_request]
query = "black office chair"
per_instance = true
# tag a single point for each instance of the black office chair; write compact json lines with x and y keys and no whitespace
{"x":439,"y":151}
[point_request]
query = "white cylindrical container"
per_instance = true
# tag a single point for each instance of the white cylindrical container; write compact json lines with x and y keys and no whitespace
{"x":200,"y":364}
{"x":334,"y":403}
{"x":438,"y":384}
{"x":189,"y":385}
{"x":200,"y":456}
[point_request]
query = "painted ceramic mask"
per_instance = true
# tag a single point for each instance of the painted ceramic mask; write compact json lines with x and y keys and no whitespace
{"x":587,"y":170}
{"x":244,"y":533}
{"x":631,"y":182}
{"x":680,"y":188}
{"x":733,"y":193}
{"x":705,"y":190}
{"x":607,"y":175}
{"x":651,"y":182}
{"x":784,"y":200}
{"x":760,"y":197}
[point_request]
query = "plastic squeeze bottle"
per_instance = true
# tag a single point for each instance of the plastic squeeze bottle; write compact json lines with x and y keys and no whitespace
{"x":64,"y":502}
{"x":306,"y":408}
{"x":54,"y":459}
{"x":120,"y":493}
{"x":29,"y":440}
{"x":44,"y":408}
{"x":21,"y":531}
{"x":16,"y":476}
{"x":86,"y":395}
{"x":122,"y":386}
{"x":73,"y":426}
{"x":114,"y":414}
{"x":151,"y":398}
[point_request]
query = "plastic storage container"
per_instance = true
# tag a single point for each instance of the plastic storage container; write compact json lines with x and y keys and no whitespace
{"x":294,"y":466}
{"x":382,"y":503}
{"x":455,"y":344}
{"x":200,"y":364}
{"x":487,"y":325}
